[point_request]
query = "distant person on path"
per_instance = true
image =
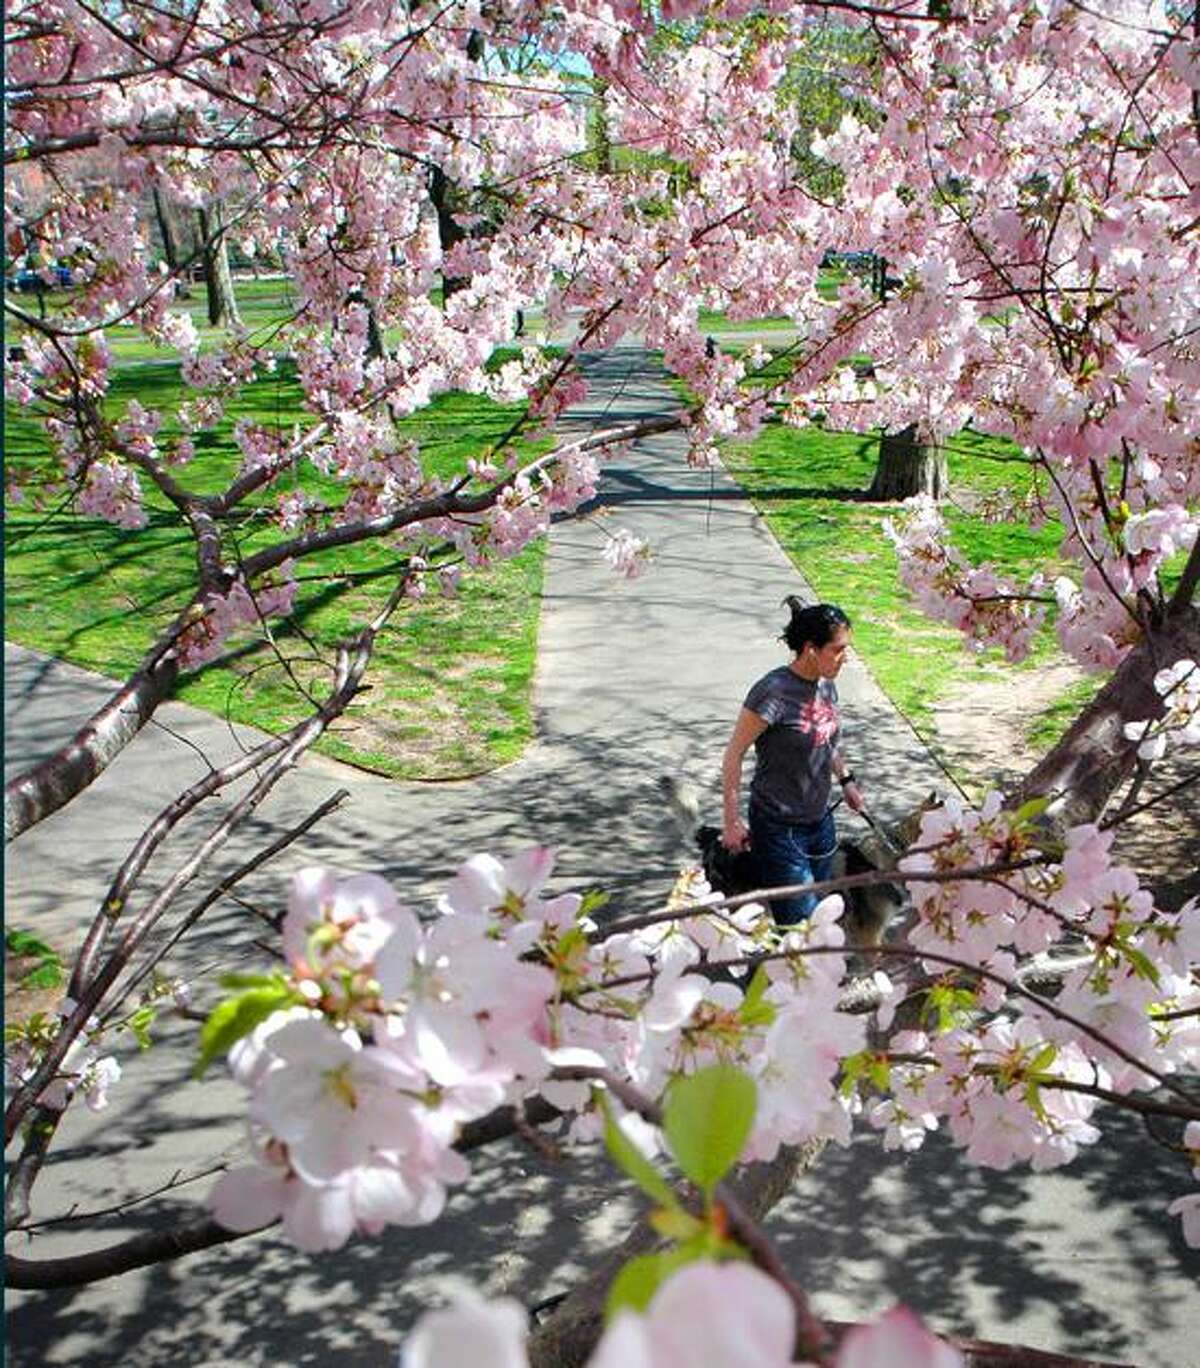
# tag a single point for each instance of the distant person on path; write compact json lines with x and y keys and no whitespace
{"x":791,"y":718}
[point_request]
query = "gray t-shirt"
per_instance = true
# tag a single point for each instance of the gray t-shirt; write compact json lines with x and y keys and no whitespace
{"x":792,"y":768}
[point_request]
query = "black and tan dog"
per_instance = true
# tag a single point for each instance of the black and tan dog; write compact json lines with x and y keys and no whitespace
{"x":869,"y":909}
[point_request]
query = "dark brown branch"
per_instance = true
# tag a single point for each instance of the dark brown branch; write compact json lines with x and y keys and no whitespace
{"x":52,"y":784}
{"x":226,"y":885}
{"x":153,"y":1246}
{"x":1185,"y":591}
{"x":1094,"y":756}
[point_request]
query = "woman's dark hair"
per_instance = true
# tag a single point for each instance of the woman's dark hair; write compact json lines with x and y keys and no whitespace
{"x":812,"y":622}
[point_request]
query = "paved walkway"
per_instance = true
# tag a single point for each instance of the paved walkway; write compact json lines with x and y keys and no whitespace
{"x":635,"y":678}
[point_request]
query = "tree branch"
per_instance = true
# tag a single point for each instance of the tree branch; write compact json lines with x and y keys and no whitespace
{"x":52,"y":784}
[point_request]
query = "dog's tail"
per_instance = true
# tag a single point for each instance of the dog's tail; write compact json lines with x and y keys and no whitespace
{"x":683,"y":802}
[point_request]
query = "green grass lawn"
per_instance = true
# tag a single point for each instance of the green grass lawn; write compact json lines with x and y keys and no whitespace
{"x":451,"y":679}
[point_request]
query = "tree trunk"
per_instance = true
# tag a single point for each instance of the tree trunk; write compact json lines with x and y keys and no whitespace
{"x":1095,"y":757}
{"x":375,"y":346}
{"x":907,"y":466}
{"x":601,"y":134}
{"x":443,"y":192}
{"x":169,"y":232}
{"x":450,"y":231}
{"x":222,"y":304}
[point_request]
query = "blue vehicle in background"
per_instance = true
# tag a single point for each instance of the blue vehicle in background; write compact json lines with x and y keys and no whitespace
{"x":27,"y":280}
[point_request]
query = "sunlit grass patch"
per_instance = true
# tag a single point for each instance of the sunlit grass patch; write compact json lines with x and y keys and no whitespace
{"x":97,"y":595}
{"x":808,"y":483}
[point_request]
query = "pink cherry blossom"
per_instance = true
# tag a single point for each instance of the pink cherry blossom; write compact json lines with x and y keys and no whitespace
{"x":896,"y":1340}
{"x":1187,"y":1208}
{"x":628,"y":555}
{"x":471,"y":1331}
{"x":705,"y":1316}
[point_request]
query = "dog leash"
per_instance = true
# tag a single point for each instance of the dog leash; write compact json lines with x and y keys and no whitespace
{"x":876,"y":827}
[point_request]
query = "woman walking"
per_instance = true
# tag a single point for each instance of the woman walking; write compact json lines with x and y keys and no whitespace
{"x":790,"y":716}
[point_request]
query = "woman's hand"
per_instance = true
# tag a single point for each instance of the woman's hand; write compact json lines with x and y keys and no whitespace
{"x":735,"y":836}
{"x":854,"y":797}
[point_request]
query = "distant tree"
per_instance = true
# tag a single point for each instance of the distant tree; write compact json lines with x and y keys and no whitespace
{"x":218,"y":279}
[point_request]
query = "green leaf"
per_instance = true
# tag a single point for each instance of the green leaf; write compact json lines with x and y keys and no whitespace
{"x":252,"y":980}
{"x":853,"y":1068}
{"x":237,"y":1017}
{"x":757,"y":987}
{"x":25,"y":944}
{"x":632,"y":1161}
{"x":676,"y":1224}
{"x":755,"y":1009}
{"x":1033,"y":1098}
{"x":1043,"y":1059}
{"x":140,"y":1023}
{"x":635,"y":1285}
{"x":880,"y":1073}
{"x":593,"y":901}
{"x":1141,"y":964}
{"x":1028,"y":811}
{"x":48,"y":974}
{"x":949,"y":1003}
{"x":707,"y":1118}
{"x":761,"y":1015}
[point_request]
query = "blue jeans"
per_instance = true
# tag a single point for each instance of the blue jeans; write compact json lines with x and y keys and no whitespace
{"x":791,"y":853}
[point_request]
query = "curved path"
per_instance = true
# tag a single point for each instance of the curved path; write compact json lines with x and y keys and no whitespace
{"x":635,"y":678}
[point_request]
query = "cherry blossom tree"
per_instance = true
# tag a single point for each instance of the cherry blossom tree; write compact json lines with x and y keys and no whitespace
{"x":1034,"y":171}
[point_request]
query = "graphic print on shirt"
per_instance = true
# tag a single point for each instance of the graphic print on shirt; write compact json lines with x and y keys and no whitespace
{"x":818,"y":718}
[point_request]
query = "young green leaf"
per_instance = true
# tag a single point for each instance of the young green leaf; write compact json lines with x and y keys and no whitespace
{"x":48,"y":974}
{"x":1141,"y":963}
{"x":635,"y":1285}
{"x":237,"y":1017}
{"x":25,"y":943}
{"x":707,"y":1118}
{"x":755,"y":1009}
{"x":676,"y":1224}
{"x":593,"y":900}
{"x":1043,"y":1059}
{"x":140,"y":1023}
{"x":236,"y":980}
{"x":631,"y":1161}
{"x":1029,"y":810}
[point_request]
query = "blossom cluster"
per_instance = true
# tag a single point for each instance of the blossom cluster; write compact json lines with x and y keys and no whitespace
{"x":222,"y":614}
{"x":1179,"y":687}
{"x":390,"y":1034}
{"x":85,"y":1071}
{"x":1023,"y":1086}
{"x":988,"y":609}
